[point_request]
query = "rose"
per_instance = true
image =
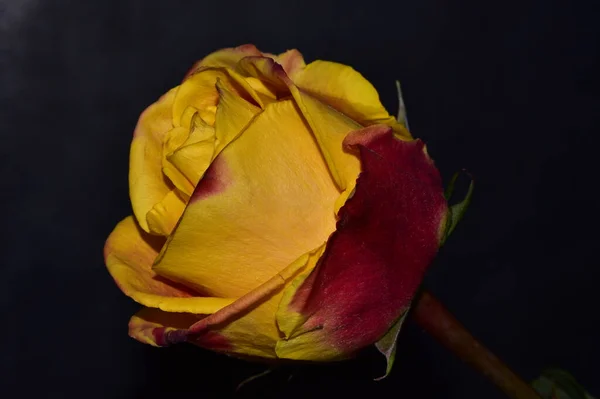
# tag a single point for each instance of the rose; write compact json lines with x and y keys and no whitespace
{"x":254,"y":233}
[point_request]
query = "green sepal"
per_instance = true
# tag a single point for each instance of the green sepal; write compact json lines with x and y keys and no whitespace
{"x":401,"y":118}
{"x":456,"y":211}
{"x":388,"y":343}
{"x":559,"y":384}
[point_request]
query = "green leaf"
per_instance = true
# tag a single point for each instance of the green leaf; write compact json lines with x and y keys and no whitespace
{"x":401,"y":118}
{"x":559,"y":384}
{"x":456,"y":211}
{"x":387,"y":344}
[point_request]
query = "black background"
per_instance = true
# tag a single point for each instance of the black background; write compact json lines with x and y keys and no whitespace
{"x":507,"y":90}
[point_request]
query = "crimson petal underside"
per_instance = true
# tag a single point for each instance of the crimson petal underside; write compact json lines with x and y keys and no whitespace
{"x":388,"y":233}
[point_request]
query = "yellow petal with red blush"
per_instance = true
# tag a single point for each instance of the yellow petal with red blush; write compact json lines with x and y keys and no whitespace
{"x":129,"y":253}
{"x":291,"y":61}
{"x":248,"y":323}
{"x":288,"y":320}
{"x":297,"y":343}
{"x":147,"y":185}
{"x":253,"y":335}
{"x":246,"y":327}
{"x":345,"y":89}
{"x":265,"y":70}
{"x":150,"y":326}
{"x":264,"y":201}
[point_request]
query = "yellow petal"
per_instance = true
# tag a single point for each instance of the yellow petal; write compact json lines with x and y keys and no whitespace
{"x":265,"y":70}
{"x":345,"y":89}
{"x":129,"y":254}
{"x":192,"y":160}
{"x":330,"y":127}
{"x":265,"y":200}
{"x":233,"y":115}
{"x":147,"y":185}
{"x":163,"y":216}
{"x":265,"y":94}
{"x":297,"y":343}
{"x":200,"y":132}
{"x":308,"y":346}
{"x":199,"y":91}
{"x":186,"y":164}
{"x":288,"y":320}
{"x":226,"y":58}
{"x":173,"y":140}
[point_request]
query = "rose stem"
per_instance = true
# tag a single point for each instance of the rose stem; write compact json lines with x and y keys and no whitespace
{"x":432,"y":316}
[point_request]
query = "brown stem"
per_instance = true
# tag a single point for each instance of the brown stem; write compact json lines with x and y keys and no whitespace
{"x":432,"y":316}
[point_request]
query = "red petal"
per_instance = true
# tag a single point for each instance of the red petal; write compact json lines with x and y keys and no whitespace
{"x":388,"y":233}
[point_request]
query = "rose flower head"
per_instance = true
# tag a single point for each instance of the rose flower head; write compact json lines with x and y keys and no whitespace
{"x":280,"y":212}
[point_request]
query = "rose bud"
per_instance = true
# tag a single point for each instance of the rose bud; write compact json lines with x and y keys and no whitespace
{"x":280,"y":212}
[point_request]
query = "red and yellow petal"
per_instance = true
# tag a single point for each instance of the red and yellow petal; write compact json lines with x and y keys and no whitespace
{"x":264,"y":201}
{"x":291,"y":61}
{"x":159,"y":328}
{"x":388,"y":233}
{"x":129,"y":253}
{"x":246,"y":327}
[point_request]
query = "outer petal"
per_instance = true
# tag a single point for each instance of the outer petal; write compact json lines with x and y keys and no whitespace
{"x":147,"y":185}
{"x":244,"y":328}
{"x":388,"y":233}
{"x":264,"y":201}
{"x":344,"y":89}
{"x":129,"y":254}
{"x":159,"y":328}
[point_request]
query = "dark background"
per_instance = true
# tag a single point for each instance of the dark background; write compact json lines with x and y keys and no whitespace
{"x":507,"y":90}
